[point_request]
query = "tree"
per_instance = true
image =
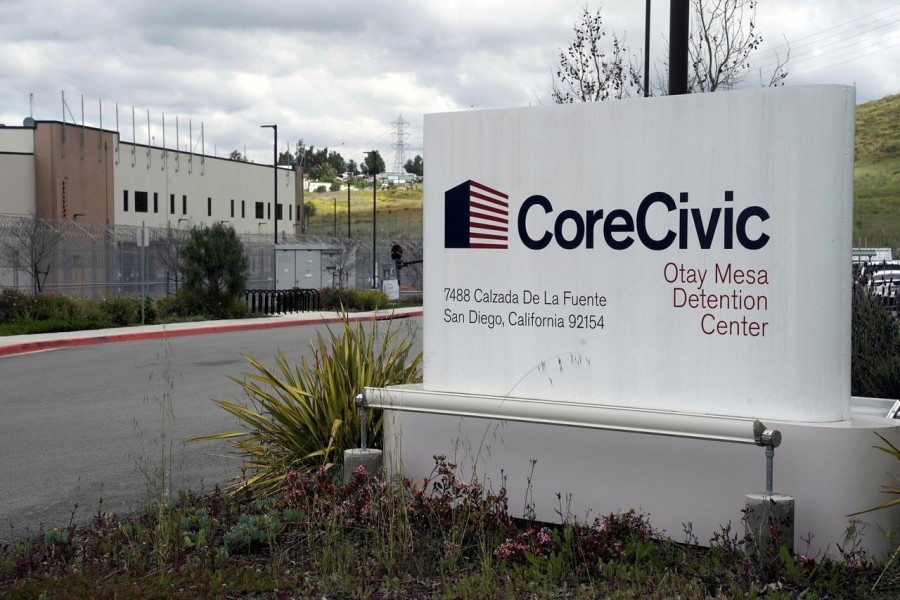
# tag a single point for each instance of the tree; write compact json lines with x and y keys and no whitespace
{"x":168,"y":251}
{"x":315,"y":157}
{"x":373,"y":160}
{"x":340,"y":260}
{"x":415,"y":166}
{"x":213,"y":262}
{"x":723,"y":35}
{"x":235,"y":155}
{"x":286,"y":158}
{"x":352,"y":168}
{"x":323,"y":172}
{"x":585,"y":73}
{"x":336,"y":161}
{"x":29,"y":245}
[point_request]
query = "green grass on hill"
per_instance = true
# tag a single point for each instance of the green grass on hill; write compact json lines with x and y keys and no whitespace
{"x":876,"y":211}
{"x":399,"y":213}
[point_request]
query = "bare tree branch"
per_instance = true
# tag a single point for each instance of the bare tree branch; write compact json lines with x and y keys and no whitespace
{"x":723,"y":36}
{"x":588,"y":71}
{"x":29,"y":245}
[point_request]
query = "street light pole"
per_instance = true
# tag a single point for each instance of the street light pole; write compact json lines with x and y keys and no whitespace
{"x":374,"y":154}
{"x":679,"y":34}
{"x":348,"y":207}
{"x":275,"y":181}
{"x":275,"y":170}
{"x":647,"y":50}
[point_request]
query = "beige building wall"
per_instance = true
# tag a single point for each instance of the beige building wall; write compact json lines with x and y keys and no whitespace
{"x":74,"y":172}
{"x":183,"y":189}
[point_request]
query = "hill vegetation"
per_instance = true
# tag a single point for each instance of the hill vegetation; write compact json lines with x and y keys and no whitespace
{"x":876,"y":210}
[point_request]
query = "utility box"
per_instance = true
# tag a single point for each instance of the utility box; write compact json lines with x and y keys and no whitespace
{"x":299,"y":265}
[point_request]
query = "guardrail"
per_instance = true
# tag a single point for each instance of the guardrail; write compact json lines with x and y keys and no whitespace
{"x":282,"y":301}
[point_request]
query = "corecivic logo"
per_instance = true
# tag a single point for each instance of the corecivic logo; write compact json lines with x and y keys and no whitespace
{"x":475,"y":216}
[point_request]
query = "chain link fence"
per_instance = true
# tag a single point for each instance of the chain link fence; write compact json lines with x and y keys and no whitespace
{"x":96,"y":261}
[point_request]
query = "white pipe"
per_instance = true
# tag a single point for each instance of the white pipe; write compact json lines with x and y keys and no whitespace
{"x":572,"y":414}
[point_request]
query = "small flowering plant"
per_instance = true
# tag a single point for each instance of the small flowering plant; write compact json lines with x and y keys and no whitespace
{"x":607,"y":538}
{"x":12,"y":304}
{"x":459,"y":515}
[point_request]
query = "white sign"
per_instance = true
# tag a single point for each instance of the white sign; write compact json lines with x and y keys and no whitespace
{"x":391,"y":288}
{"x":684,"y":253}
{"x":141,"y":237}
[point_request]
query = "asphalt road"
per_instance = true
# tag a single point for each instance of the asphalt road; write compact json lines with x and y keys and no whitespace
{"x":87,"y":428}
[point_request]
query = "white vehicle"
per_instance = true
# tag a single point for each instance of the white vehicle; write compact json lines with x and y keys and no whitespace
{"x":885,"y":283}
{"x":869,"y":269}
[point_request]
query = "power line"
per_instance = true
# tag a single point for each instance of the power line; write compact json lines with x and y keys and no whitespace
{"x":816,"y":50}
{"x":851,"y":59}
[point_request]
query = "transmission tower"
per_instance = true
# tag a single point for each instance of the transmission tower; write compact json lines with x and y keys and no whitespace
{"x":400,"y":136}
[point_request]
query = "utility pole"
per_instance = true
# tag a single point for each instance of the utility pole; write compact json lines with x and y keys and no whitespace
{"x":374,"y":154}
{"x":275,"y":180}
{"x":679,"y":31}
{"x":647,"y":50}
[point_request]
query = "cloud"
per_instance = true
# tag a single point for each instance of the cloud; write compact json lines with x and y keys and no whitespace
{"x":337,"y":73}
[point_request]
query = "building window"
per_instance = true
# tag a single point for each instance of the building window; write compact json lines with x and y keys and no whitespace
{"x":140,"y":202}
{"x":155,"y":202}
{"x":260,"y":211}
{"x":278,"y":210}
{"x":243,"y":208}
{"x":184,"y":205}
{"x":171,"y":204}
{"x":125,"y":198}
{"x":232,"y":208}
{"x":209,"y":207}
{"x":268,"y":210}
{"x":290,"y":212}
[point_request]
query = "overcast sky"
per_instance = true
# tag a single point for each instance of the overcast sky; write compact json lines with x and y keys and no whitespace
{"x":337,"y":73}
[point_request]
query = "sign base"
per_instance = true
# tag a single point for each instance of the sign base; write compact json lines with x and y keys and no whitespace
{"x":831,"y":469}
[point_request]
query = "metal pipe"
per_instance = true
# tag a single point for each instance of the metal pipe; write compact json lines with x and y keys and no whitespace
{"x":770,"y":464}
{"x":361,"y":403}
{"x":413,"y":398}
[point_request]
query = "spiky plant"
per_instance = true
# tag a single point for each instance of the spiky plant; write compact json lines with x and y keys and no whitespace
{"x":304,"y":416}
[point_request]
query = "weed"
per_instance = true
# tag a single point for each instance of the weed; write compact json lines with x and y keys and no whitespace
{"x":439,"y":537}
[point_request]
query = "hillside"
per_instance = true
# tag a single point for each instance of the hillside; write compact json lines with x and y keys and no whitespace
{"x":876,"y":211}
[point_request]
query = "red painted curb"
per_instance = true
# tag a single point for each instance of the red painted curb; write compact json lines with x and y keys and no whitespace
{"x":25,"y":347}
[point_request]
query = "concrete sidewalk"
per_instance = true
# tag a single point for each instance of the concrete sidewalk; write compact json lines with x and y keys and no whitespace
{"x":20,"y":344}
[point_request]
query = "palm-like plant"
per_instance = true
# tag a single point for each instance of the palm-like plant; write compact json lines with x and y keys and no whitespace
{"x":304,"y":416}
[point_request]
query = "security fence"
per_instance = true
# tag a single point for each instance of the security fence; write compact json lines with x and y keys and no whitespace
{"x":97,"y":261}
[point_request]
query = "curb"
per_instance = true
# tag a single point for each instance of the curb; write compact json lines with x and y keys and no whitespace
{"x":91,"y":340}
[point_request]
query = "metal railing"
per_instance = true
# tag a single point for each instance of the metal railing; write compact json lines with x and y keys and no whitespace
{"x":282,"y":301}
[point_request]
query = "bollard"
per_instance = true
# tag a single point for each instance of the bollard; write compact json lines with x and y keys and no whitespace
{"x":769,"y":517}
{"x":369,"y":459}
{"x":361,"y":403}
